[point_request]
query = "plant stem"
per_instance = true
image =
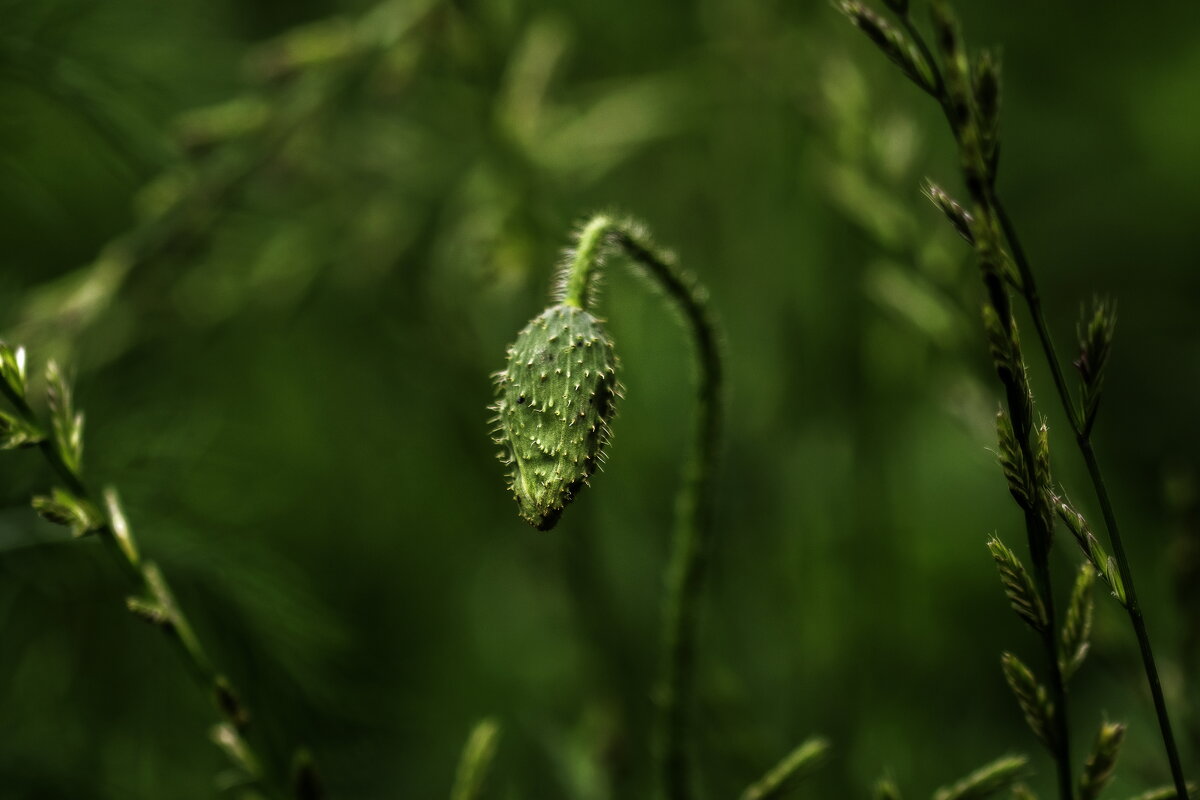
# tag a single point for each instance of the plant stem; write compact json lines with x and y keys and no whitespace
{"x":1135,"y":616}
{"x":692,"y":539}
{"x":1081,"y":423}
{"x":938,"y":92}
{"x":693,"y":529}
{"x":1018,"y":398}
{"x":1062,"y":741}
{"x":1082,"y":431}
{"x":1083,"y":439}
{"x":149,"y":582}
{"x":1019,"y":405}
{"x":1034,"y":302}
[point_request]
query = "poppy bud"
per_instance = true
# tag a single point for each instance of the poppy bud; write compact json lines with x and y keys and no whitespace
{"x":556,"y":397}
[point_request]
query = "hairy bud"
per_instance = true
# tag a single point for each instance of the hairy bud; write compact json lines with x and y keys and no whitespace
{"x":556,"y":397}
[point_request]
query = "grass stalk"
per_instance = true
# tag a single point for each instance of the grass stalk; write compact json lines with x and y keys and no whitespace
{"x":1081,"y":418}
{"x":949,"y":81}
{"x":1082,"y":427}
{"x":152,"y":600}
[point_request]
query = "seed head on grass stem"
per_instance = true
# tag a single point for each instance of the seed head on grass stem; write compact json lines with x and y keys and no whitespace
{"x":1102,"y":761}
{"x":969,"y":96}
{"x":72,"y":505}
{"x":1077,"y":626}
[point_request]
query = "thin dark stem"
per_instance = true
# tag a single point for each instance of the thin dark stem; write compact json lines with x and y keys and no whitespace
{"x":1083,"y":439}
{"x":1039,"y":536}
{"x":1135,"y":617}
{"x":693,"y":528}
{"x":1019,"y":407}
{"x":1080,"y":422}
{"x":939,"y":87}
{"x":1034,"y":302}
{"x":1062,"y":731}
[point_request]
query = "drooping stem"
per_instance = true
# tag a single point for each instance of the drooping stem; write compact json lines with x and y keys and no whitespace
{"x":586,"y":260}
{"x":692,"y":540}
{"x":154,"y":600}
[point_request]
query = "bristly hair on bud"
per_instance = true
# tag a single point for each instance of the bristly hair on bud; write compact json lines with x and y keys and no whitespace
{"x":894,"y":44}
{"x":557,"y":394}
{"x":1095,"y":333}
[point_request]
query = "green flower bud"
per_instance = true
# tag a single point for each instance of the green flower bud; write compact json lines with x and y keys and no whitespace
{"x":556,"y":397}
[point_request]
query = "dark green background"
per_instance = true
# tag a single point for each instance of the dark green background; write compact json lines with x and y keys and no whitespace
{"x":288,"y":383}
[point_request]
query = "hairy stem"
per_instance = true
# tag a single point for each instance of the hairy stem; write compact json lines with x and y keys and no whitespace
{"x":693,"y":529}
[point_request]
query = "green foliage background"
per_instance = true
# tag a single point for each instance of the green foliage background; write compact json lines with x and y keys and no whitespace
{"x":283,"y":340}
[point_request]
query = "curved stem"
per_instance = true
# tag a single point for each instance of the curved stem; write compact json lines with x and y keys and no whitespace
{"x":1084,"y":441}
{"x":693,"y":533}
{"x":586,"y":261}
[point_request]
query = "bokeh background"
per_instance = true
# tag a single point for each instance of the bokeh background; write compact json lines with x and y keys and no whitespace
{"x":283,"y":245}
